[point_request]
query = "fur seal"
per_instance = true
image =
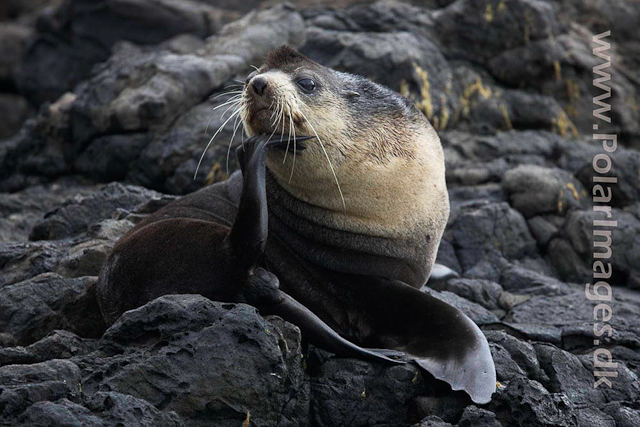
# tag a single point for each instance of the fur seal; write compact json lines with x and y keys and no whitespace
{"x":337,"y":234}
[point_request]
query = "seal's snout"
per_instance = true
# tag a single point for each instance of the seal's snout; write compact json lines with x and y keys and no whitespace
{"x":259,"y":84}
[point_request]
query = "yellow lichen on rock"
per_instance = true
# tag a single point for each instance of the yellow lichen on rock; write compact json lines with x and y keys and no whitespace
{"x":216,"y":174}
{"x":507,"y":119}
{"x":563,"y":125}
{"x":557,"y":69}
{"x":425,"y":105}
{"x":573,"y":190}
{"x":488,"y":13}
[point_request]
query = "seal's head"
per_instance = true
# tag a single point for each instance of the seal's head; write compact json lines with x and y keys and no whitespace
{"x":375,"y":165}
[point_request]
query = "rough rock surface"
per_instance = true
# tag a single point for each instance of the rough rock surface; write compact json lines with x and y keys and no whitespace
{"x":118,"y":95}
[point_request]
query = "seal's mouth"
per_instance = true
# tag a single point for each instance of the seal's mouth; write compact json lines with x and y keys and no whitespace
{"x":286,"y":144}
{"x":265,"y":121}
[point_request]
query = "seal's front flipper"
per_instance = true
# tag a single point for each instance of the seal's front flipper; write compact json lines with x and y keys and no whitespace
{"x":248,"y":234}
{"x":437,"y":336}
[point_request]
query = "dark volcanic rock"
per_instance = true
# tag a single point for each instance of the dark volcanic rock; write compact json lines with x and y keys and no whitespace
{"x":101,"y":409}
{"x":14,"y":110}
{"x":35,"y":307}
{"x":23,"y":385}
{"x":527,"y":403}
{"x":477,"y":417}
{"x":74,"y":216}
{"x":508,"y":84}
{"x":356,"y":393}
{"x":130,"y":119}
{"x":21,"y":210}
{"x":209,"y":362}
{"x":486,"y":236}
{"x":123,"y":409}
{"x":481,"y":29}
{"x":535,"y":190}
{"x":57,"y":345}
{"x":78,"y":34}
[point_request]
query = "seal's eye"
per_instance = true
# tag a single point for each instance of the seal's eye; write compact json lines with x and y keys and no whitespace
{"x":307,"y":84}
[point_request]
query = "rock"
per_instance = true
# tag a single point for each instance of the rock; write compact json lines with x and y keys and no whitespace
{"x":116,"y":408}
{"x":530,"y":404}
{"x":521,"y":352}
{"x":624,"y":244}
{"x":63,"y":412}
{"x":445,"y":406}
{"x":61,"y":56}
{"x":567,"y":375}
{"x":13,"y":38}
{"x":577,"y":158}
{"x":133,"y":93}
{"x":624,"y":416}
{"x":545,"y":227}
{"x":7,"y":340}
{"x":481,"y":29}
{"x":133,"y":116}
{"x":86,"y":257}
{"x":476,"y":312}
{"x":22,"y":261}
{"x":344,"y":389}
{"x":483,"y":292}
{"x":33,"y":308}
{"x":567,"y":262}
{"x":624,"y":387}
{"x":477,"y":417}
{"x":535,"y":190}
{"x":21,"y":210}
{"x":463,"y":193}
{"x":23,"y":385}
{"x":74,"y":216}
{"x":486,"y":235}
{"x":506,"y":368}
{"x":432,"y":421}
{"x":521,"y":280}
{"x":14,"y":110}
{"x":594,"y":417}
{"x":58,"y":344}
{"x":39,"y":152}
{"x":552,"y":311}
{"x":22,"y":9}
{"x":207,"y":361}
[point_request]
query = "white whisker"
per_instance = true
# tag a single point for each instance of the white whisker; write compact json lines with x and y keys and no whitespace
{"x":236,"y":123}
{"x":226,"y":93}
{"x":211,"y":140}
{"x":328,"y":160}
{"x":295,"y":145}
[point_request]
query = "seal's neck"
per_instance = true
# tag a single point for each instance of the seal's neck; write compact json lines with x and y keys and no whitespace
{"x":324,"y":239}
{"x":396,"y":199}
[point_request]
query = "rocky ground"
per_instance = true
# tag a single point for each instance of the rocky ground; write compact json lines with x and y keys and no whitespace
{"x":119,"y":97}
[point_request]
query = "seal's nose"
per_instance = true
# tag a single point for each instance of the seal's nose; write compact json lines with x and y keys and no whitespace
{"x":259,"y":84}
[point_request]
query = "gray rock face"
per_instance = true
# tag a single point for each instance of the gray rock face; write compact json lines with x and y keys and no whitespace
{"x":124,"y":91}
{"x":62,"y":55}
{"x":488,"y":235}
{"x":24,"y":385}
{"x":199,"y":366}
{"x":33,"y":308}
{"x":75,"y":215}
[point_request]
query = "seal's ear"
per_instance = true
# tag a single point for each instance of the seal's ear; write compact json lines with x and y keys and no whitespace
{"x":350,"y":93}
{"x":437,"y":336}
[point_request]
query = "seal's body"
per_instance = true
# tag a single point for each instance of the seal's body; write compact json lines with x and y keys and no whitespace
{"x":355,"y":217}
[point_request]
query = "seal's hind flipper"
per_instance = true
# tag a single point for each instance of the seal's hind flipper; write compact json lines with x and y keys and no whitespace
{"x":437,"y":336}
